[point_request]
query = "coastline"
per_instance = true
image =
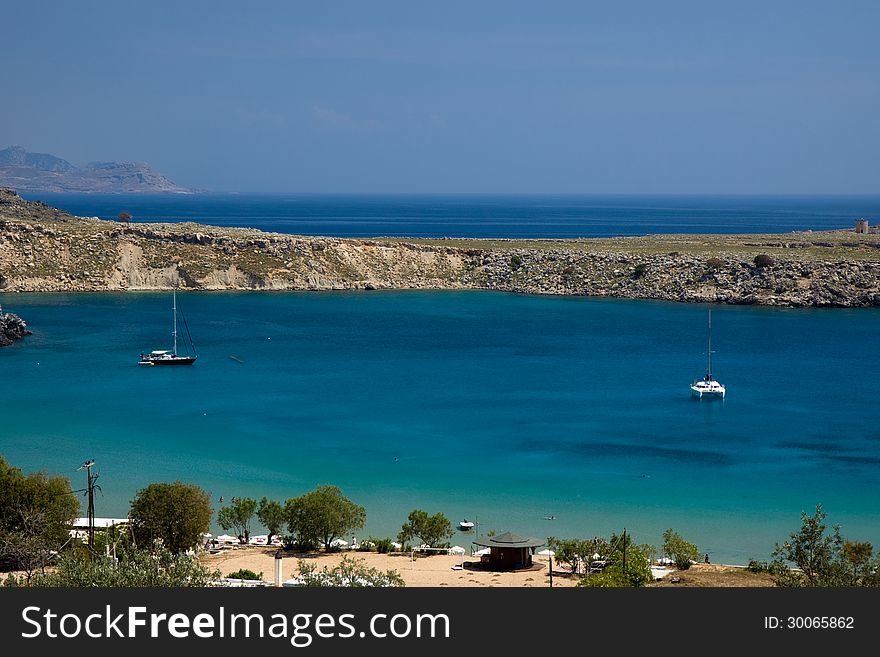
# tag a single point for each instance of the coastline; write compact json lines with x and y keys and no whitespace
{"x":45,"y":250}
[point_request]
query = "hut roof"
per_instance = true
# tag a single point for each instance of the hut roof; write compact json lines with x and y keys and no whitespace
{"x":509,"y":540}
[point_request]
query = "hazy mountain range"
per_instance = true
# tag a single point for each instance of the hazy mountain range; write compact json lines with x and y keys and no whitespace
{"x":42,"y":172}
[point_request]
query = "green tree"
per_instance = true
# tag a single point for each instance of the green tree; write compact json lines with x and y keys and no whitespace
{"x":37,"y":495}
{"x":135,"y":568}
{"x":237,"y":517}
{"x":124,"y":217}
{"x":36,"y":514}
{"x":271,"y":515}
{"x":679,"y":550}
{"x":174,"y":514}
{"x":574,"y":552}
{"x":350,"y":572}
{"x":430,"y":530}
{"x":823,"y":559}
{"x":323,"y":515}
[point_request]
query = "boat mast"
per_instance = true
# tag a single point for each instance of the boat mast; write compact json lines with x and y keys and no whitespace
{"x":174,"y":312}
{"x":709,"y":347}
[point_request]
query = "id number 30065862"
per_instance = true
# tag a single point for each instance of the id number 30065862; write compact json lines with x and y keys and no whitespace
{"x":809,"y":622}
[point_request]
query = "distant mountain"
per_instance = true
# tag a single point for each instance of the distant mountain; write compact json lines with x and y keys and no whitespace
{"x":41,"y":172}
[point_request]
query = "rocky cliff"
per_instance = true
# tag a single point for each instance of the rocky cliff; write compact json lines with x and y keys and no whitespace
{"x":42,"y":249}
{"x":41,"y":172}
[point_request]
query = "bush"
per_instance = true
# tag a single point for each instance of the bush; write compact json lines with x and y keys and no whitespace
{"x":637,"y":572}
{"x":714,"y":263}
{"x":136,"y":568}
{"x":383,"y":545}
{"x":758,"y":566}
{"x":350,"y":572}
{"x":244,"y":573}
{"x":640,"y":270}
{"x":764,"y":260}
{"x":515,"y":262}
{"x":292,"y":544}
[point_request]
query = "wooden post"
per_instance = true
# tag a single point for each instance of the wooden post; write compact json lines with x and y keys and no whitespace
{"x":551,"y":572}
{"x":278,"y":559}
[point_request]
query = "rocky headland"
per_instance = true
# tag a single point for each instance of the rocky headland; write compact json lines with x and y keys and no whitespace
{"x":45,"y":250}
{"x":42,"y":172}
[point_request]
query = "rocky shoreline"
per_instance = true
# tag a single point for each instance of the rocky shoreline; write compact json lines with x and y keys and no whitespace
{"x":12,"y":328}
{"x":46,"y":250}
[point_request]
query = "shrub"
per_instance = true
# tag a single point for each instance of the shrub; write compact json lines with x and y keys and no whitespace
{"x":764,"y":260}
{"x":714,"y":263}
{"x":640,"y":270}
{"x":244,"y":573}
{"x":350,"y":572}
{"x":758,"y":566}
{"x":515,"y":262}
{"x":383,"y":545}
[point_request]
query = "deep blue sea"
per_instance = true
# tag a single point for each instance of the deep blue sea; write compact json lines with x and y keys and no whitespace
{"x":500,"y":408}
{"x":472,"y":215}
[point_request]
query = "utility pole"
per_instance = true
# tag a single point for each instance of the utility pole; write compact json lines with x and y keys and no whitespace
{"x":624,"y":549}
{"x":91,"y":508}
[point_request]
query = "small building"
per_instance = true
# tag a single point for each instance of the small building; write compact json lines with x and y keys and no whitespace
{"x":861,"y":225}
{"x":80,"y":527}
{"x":508,"y":551}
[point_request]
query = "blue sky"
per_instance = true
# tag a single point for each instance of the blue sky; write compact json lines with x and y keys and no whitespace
{"x":506,"y":97}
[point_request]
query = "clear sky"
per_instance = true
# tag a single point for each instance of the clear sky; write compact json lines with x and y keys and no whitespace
{"x":509,"y":97}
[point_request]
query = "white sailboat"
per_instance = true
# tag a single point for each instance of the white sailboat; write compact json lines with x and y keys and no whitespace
{"x":165,"y":357}
{"x":707,"y":386}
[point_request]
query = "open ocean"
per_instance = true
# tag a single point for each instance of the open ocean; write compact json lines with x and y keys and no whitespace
{"x":504,"y":409}
{"x":474,"y":215}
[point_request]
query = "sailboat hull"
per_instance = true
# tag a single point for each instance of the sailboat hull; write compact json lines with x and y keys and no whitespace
{"x":171,"y":360}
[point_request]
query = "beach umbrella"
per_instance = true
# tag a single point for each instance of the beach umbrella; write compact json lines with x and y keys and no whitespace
{"x":338,"y":542}
{"x":546,"y":552}
{"x":456,"y":549}
{"x":480,"y":553}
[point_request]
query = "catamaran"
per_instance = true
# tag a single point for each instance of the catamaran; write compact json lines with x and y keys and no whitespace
{"x":707,"y":386}
{"x":165,"y":357}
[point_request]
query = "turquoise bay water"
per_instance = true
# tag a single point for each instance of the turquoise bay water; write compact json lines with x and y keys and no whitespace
{"x":495,"y":407}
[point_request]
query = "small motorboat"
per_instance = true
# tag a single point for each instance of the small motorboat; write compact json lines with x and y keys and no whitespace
{"x":465,"y":525}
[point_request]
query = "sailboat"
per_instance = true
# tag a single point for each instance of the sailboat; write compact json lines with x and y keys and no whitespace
{"x":165,"y":357}
{"x":708,"y":386}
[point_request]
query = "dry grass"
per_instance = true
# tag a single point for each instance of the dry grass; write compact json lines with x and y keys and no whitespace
{"x":711,"y":575}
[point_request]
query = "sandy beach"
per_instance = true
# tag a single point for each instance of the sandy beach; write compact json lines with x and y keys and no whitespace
{"x":436,"y":570}
{"x":443,"y":570}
